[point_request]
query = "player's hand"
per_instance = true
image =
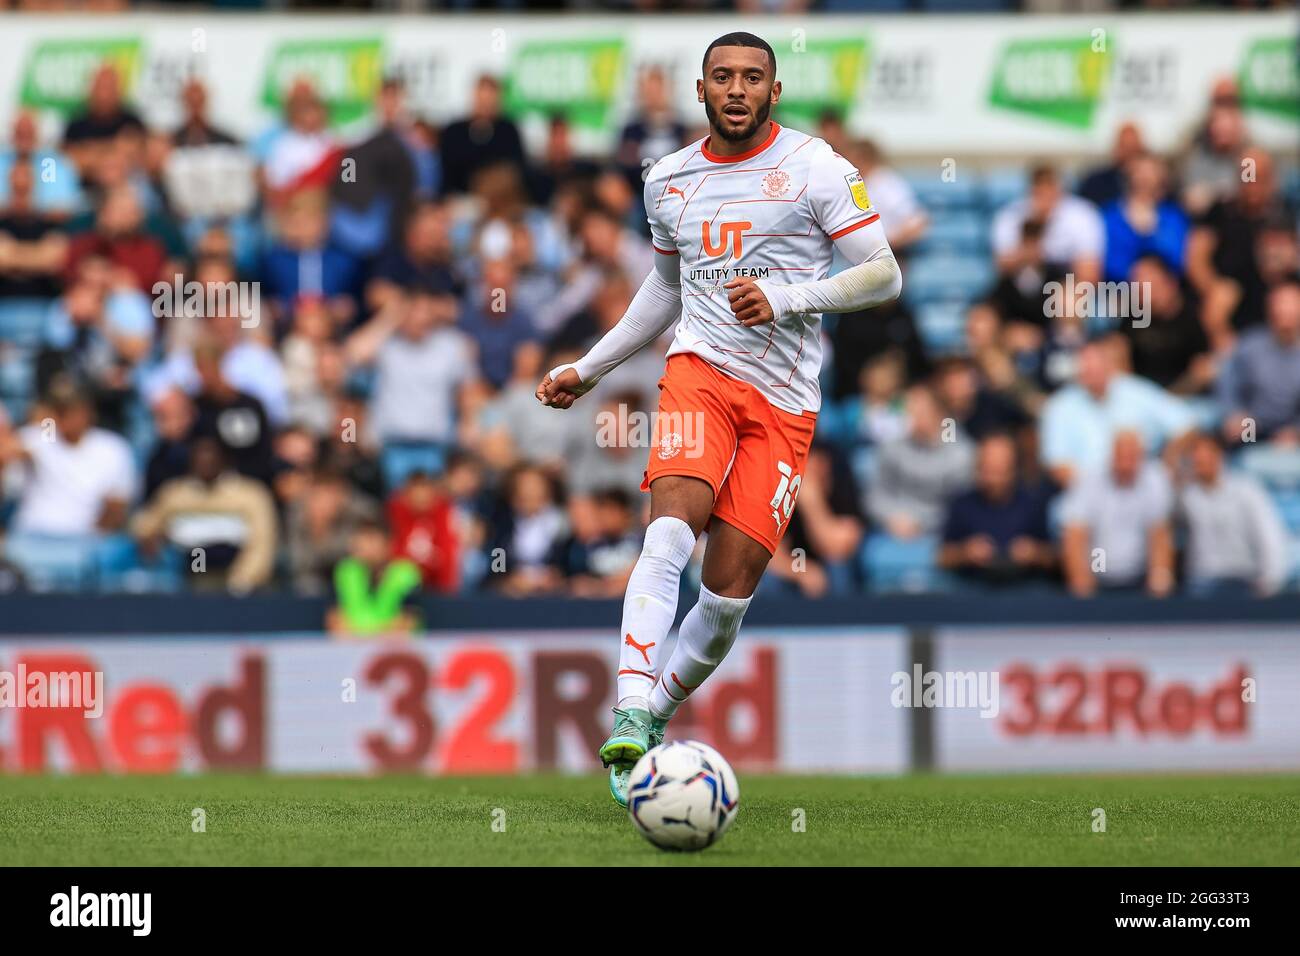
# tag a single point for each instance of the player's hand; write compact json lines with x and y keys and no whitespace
{"x":561,"y":391}
{"x":748,"y":303}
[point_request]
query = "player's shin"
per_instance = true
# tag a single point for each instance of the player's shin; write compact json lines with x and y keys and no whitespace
{"x":706,"y":634}
{"x":650,"y":606}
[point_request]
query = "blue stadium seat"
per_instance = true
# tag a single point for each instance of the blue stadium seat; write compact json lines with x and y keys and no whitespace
{"x":863,"y":462}
{"x":22,"y":321}
{"x":837,"y":422}
{"x":361,"y":381}
{"x":121,"y":567}
{"x":1206,"y":411}
{"x":956,"y":232}
{"x":1288,"y":505}
{"x":1277,"y":468}
{"x":16,"y":408}
{"x":53,"y":563}
{"x":935,"y":193}
{"x":968,"y":6}
{"x":17,"y":372}
{"x":864,"y":6}
{"x":1291,"y":185}
{"x":1004,"y":185}
{"x":942,"y":325}
{"x":893,"y":565}
{"x":399,"y":460}
{"x":950,"y":278}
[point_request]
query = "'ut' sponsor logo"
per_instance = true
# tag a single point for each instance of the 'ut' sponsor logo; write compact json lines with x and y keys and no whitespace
{"x":729,"y":233}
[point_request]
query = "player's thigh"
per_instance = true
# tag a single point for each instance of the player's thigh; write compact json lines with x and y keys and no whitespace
{"x":760,"y":492}
{"x":693,"y":441}
{"x":683,"y":497}
{"x":733,"y":560}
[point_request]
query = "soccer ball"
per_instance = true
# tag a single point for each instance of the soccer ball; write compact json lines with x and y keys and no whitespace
{"x":682,"y":795}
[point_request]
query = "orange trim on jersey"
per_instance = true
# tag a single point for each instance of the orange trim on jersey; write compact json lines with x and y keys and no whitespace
{"x":664,"y":252}
{"x":747,"y":154}
{"x":857,"y":225}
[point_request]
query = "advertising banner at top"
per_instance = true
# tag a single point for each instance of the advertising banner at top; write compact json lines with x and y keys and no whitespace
{"x":940,"y":86}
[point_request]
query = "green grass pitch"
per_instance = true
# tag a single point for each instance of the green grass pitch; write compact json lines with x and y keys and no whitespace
{"x":922,"y":820}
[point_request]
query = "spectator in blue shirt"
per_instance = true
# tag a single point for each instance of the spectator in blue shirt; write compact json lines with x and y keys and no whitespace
{"x":1260,"y":384}
{"x":1144,"y":221}
{"x":997,"y":532}
{"x":303,"y":262}
{"x":1079,"y":422}
{"x":498,"y":323}
{"x":57,"y":187}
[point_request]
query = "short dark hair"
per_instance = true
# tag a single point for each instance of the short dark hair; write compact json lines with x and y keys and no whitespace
{"x":740,"y":38}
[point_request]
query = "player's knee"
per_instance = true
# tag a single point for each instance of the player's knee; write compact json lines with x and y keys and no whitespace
{"x":689,"y":500}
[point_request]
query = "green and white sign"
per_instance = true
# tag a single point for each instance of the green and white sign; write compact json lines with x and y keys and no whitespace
{"x":578,"y":78}
{"x":345,"y":72}
{"x":1270,"y":77}
{"x":823,"y":75}
{"x":1058,"y":80}
{"x":58,"y":71}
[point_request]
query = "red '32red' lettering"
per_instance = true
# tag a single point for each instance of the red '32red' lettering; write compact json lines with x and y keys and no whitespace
{"x":1070,"y":700}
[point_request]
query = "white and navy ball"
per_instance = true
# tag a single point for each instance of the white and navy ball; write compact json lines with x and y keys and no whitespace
{"x":682,"y":795}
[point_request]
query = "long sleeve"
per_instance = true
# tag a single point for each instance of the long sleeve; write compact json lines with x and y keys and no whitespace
{"x":873,"y":280}
{"x":655,"y":307}
{"x":252,"y":567}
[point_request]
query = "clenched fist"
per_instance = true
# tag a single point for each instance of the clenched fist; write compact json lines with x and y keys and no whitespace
{"x":561,"y":387}
{"x":748,"y":303}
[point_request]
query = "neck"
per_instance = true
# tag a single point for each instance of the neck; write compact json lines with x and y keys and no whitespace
{"x":726,"y":147}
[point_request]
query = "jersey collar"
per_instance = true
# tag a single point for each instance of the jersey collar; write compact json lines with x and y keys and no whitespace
{"x":740,"y":157}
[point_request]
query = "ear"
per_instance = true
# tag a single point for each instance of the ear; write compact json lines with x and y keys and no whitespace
{"x":699,"y":90}
{"x":776,"y":92}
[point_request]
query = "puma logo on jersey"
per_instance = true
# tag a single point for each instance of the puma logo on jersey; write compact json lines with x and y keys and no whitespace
{"x":643,"y":648}
{"x":681,"y":192}
{"x":729,"y":233}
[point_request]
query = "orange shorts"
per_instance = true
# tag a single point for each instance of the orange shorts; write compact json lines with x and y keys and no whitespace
{"x":722,"y":430}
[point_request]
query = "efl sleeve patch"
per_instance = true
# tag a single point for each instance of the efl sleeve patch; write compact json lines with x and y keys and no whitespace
{"x":858,"y":190}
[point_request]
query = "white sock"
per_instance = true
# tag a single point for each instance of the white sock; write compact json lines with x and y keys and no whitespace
{"x":650,"y":605}
{"x":706,"y":634}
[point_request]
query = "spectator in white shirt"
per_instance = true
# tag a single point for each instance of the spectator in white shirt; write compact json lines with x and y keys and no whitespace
{"x":1073,"y":237}
{"x":1117,"y":528}
{"x":891,"y":195}
{"x":1235,"y":538}
{"x":72,"y":479}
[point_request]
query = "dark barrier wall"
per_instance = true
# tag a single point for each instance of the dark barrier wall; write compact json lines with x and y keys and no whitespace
{"x":195,"y":614}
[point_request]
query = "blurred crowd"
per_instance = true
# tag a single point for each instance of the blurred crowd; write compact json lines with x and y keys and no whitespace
{"x":307,"y":363}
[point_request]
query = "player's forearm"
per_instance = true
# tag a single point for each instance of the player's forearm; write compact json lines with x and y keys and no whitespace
{"x":655,"y":307}
{"x":863,"y":286}
{"x":875,"y":280}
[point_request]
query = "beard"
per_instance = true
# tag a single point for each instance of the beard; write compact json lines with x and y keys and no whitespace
{"x":760,"y":117}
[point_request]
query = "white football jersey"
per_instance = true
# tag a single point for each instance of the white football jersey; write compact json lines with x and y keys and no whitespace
{"x":771,"y":213}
